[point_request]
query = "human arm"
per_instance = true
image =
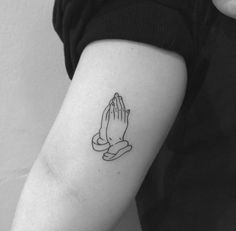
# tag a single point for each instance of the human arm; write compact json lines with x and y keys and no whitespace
{"x":70,"y":186}
{"x":227,"y":7}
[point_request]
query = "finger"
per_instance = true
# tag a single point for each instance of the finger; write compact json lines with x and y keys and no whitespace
{"x":122,"y":103}
{"x":122,"y":108}
{"x":106,"y":110}
{"x":116,"y":111}
{"x":112,"y":114}
{"x":127,"y":115}
{"x":119,"y":107}
{"x":115,"y":102}
{"x":107,"y":113}
{"x":114,"y":107}
{"x":116,"y":94}
{"x":118,"y":102}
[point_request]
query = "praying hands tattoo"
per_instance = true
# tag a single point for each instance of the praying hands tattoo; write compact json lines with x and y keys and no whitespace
{"x":110,"y":137}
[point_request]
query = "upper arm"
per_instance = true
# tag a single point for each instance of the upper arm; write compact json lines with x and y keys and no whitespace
{"x":152,"y":83}
{"x":227,"y":7}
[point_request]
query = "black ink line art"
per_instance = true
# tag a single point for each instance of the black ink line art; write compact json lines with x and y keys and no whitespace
{"x":114,"y":123}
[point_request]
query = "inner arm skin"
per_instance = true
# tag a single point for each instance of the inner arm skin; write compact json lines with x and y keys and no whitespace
{"x":69,"y":186}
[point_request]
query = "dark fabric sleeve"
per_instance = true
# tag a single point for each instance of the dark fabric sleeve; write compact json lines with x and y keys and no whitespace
{"x":80,"y":22}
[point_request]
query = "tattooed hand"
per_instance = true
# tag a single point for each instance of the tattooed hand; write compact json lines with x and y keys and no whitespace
{"x":114,"y":123}
{"x":118,"y":121}
{"x":104,"y":123}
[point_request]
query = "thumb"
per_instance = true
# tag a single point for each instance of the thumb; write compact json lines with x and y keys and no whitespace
{"x":127,"y":114}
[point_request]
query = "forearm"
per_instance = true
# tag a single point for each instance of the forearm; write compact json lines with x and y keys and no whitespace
{"x":72,"y":186}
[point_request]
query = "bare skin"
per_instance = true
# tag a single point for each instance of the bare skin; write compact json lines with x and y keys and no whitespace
{"x":118,"y":121}
{"x":114,"y":124}
{"x":227,"y":7}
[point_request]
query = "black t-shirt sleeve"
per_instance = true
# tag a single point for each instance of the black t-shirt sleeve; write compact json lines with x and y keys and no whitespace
{"x":158,"y":23}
